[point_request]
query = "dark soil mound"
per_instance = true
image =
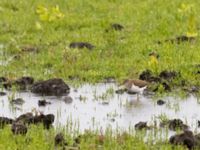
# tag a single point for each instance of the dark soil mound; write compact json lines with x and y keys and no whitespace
{"x":148,"y":76}
{"x":187,"y":139}
{"x":51,"y":87}
{"x":3,"y":79}
{"x":2,"y":93}
{"x":180,"y":39}
{"x":43,"y":103}
{"x":160,"y":102}
{"x":167,"y":75}
{"x":4,"y":121}
{"x":175,"y":124}
{"x":141,"y":126}
{"x":81,"y":45}
{"x":68,"y":99}
{"x":19,"y":128}
{"x":24,"y":82}
{"x":28,"y":118}
{"x":117,"y":26}
{"x":59,"y":139}
{"x":17,"y":101}
{"x":29,"y":48}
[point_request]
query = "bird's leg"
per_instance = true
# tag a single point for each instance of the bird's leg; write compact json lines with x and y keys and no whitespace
{"x":137,"y":97}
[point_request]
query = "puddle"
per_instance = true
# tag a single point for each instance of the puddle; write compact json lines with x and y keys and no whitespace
{"x":97,"y":106}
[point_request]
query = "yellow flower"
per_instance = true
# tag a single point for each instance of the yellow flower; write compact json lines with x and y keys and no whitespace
{"x":192,"y":29}
{"x":49,"y":15}
{"x":55,"y":13}
{"x":43,"y":13}
{"x":153,"y":60}
{"x":191,"y":34}
{"x":153,"y":63}
{"x":185,"y":8}
{"x":38,"y":25}
{"x":41,"y":10}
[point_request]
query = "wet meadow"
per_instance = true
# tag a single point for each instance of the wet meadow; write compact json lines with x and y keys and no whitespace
{"x":62,"y":64}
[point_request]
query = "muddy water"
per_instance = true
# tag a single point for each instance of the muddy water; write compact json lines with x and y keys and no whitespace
{"x":97,"y":106}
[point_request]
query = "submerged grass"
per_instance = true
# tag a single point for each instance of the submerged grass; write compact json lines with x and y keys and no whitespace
{"x":118,"y":54}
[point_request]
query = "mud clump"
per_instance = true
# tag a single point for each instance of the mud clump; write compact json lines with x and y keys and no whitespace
{"x":198,"y":123}
{"x":5,"y":121}
{"x":17,"y":101}
{"x":59,"y":140}
{"x":168,"y":75}
{"x":174,"y":124}
{"x":43,"y":103}
{"x":47,"y":120}
{"x":2,"y":93}
{"x":7,"y":85}
{"x":164,"y":75}
{"x":24,"y":82}
{"x":160,"y":102}
{"x":68,"y":99}
{"x":179,"y":39}
{"x":166,"y":86}
{"x":194,"y":89}
{"x":73,"y":78}
{"x":19,"y":128}
{"x":77,"y":140}
{"x":54,"y":86}
{"x":3,"y":79}
{"x":28,"y":118}
{"x":81,"y":45}
{"x":117,"y":26}
{"x":148,"y":76}
{"x":109,"y":80}
{"x":141,"y":125}
{"x":177,"y":124}
{"x":186,"y":138}
{"x":29,"y":48}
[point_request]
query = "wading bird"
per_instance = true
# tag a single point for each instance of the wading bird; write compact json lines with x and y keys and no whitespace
{"x":134,"y":86}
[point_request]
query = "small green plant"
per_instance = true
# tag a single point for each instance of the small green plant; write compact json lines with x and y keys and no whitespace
{"x":188,"y":11}
{"x":163,"y":118}
{"x":153,"y":64}
{"x":49,"y":14}
{"x":109,"y":93}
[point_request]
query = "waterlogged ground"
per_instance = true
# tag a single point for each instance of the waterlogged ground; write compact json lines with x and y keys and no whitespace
{"x":98,"y":107}
{"x":156,"y":41}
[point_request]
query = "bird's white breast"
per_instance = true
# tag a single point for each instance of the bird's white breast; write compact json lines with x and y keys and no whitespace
{"x":137,"y":89}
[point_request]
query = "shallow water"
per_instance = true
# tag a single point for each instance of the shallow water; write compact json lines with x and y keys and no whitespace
{"x":92,"y":108}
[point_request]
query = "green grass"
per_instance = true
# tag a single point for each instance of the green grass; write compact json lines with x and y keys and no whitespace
{"x":39,"y":139}
{"x":117,"y":54}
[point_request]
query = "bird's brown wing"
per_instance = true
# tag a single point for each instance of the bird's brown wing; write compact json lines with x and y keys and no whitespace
{"x":140,"y":83}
